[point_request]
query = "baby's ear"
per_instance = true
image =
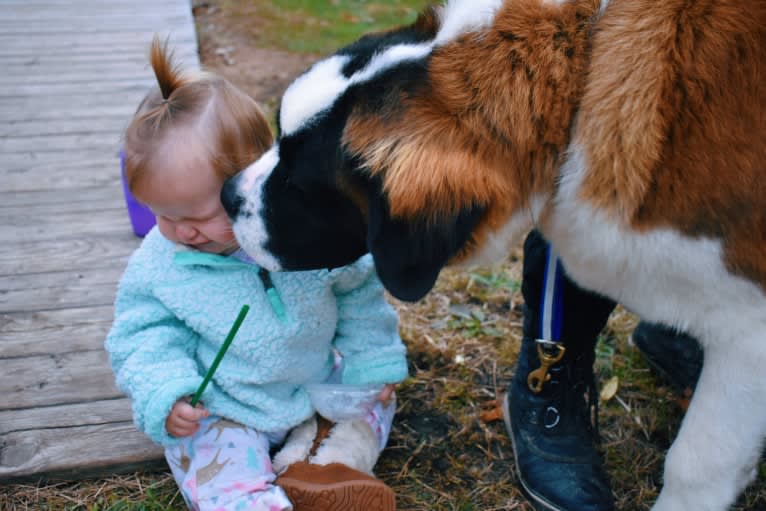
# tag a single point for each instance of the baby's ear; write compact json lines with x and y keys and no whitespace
{"x":409,"y":253}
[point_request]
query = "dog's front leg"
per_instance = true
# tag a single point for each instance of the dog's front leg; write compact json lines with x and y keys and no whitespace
{"x":716,"y":452}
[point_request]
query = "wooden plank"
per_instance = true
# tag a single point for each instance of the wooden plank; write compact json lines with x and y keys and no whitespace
{"x":88,"y":104}
{"x":184,"y":53}
{"x":67,"y":226}
{"x":76,"y":452}
{"x":62,"y":31}
{"x":76,"y":201}
{"x":59,"y":290}
{"x":138,"y":85}
{"x":115,"y":124}
{"x":67,"y":416}
{"x":73,"y":72}
{"x":54,"y":332}
{"x":12,"y":111}
{"x":100,"y":10}
{"x":88,"y":170}
{"x":139,"y":4}
{"x":160,"y":25}
{"x":59,"y":12}
{"x":107,"y":75}
{"x":135,"y":39}
{"x":47,"y":380}
{"x":76,"y":254}
{"x":45,"y":16}
{"x":62,"y":199}
{"x":139,"y":82}
{"x":65,"y":51}
{"x":101,"y":175}
{"x":105,"y":141}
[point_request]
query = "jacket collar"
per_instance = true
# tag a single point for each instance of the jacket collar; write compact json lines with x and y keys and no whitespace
{"x":185,"y":256}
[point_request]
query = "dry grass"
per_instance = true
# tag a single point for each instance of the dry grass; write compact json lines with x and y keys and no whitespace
{"x":463,"y":339}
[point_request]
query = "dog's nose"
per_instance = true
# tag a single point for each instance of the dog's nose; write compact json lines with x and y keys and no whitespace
{"x":230,"y":199}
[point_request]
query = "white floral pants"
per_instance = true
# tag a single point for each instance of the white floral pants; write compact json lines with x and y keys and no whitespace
{"x":226,"y":466}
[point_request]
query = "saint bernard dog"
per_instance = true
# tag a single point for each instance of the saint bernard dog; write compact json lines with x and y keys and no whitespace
{"x":631,"y":133}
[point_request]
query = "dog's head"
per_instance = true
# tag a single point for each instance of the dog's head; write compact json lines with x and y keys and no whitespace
{"x":395,"y":146}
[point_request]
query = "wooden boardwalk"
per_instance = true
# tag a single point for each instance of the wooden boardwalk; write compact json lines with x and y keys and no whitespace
{"x":71,"y":74}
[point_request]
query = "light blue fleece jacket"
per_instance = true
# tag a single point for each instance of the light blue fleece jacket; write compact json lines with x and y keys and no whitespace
{"x":174,"y":309}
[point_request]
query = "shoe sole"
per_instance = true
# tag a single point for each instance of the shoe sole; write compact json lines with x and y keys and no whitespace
{"x":537,"y":501}
{"x":345,"y":496}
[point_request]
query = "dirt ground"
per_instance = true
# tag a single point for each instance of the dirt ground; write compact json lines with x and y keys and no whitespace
{"x":227,"y":46}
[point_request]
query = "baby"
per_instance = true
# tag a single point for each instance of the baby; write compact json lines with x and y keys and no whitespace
{"x":182,"y":290}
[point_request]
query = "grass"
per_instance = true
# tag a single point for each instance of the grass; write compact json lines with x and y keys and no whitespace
{"x":446,"y":453}
{"x":320,"y":26}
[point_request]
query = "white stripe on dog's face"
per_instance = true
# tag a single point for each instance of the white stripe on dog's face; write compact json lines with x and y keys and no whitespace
{"x":318,"y":88}
{"x":248,"y":226}
{"x":312,"y":92}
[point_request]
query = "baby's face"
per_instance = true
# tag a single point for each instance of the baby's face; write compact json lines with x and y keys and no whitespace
{"x":185,"y":197}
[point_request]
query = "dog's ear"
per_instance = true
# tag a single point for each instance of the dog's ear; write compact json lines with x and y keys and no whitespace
{"x":409,"y":253}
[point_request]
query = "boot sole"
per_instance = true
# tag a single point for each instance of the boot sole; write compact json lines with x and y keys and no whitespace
{"x":537,"y":501}
{"x":344,"y":496}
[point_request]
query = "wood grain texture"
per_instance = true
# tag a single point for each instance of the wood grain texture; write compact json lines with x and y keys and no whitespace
{"x":73,"y":73}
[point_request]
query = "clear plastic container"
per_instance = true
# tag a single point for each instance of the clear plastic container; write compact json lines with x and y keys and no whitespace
{"x":339,"y":402}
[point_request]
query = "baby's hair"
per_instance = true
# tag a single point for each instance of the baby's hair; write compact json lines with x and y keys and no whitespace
{"x":201,"y":110}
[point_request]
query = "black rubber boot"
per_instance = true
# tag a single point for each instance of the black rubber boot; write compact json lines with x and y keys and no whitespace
{"x":554,"y":438}
{"x":552,"y":416}
{"x":675,"y":356}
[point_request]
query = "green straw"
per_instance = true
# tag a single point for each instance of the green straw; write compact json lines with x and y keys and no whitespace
{"x":221,"y":353}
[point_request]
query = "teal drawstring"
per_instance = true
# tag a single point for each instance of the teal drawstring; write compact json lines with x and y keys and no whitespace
{"x":271,"y":293}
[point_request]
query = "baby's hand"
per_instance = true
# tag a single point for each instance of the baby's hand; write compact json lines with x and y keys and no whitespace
{"x":183,"y":419}
{"x":385,"y":394}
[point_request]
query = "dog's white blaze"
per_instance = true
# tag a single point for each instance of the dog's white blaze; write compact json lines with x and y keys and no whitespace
{"x":667,"y":277}
{"x":390,"y":58}
{"x":248,"y":227}
{"x":318,"y":88}
{"x":314,"y":91}
{"x":655,"y":273}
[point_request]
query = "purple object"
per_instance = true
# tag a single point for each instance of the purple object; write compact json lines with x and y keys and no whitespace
{"x":141,"y":217}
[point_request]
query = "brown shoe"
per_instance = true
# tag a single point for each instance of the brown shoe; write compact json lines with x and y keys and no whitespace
{"x":334,"y":487}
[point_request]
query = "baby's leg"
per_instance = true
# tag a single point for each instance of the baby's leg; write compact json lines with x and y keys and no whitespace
{"x":358,"y":444}
{"x":225,"y":466}
{"x":380,"y":420}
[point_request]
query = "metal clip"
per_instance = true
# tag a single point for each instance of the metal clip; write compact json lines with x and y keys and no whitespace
{"x":539,"y":376}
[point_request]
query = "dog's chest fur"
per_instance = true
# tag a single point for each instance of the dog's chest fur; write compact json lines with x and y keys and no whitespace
{"x":661,"y":201}
{"x":661,"y":274}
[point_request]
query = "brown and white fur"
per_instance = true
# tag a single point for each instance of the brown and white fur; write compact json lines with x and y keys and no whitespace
{"x":632,"y":133}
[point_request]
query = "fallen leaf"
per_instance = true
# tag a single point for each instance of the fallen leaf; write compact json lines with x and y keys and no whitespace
{"x":609,"y":389}
{"x":495,"y":414}
{"x":494,"y":411}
